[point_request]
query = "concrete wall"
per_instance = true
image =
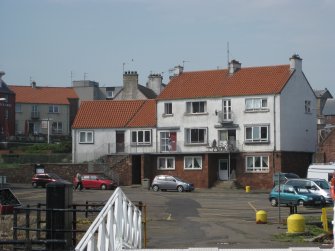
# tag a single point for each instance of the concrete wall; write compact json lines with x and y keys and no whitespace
{"x":298,"y":129}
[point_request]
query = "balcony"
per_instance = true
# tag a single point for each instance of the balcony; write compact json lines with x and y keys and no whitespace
{"x":178,"y":147}
{"x":35,"y":115}
{"x":225,"y":117}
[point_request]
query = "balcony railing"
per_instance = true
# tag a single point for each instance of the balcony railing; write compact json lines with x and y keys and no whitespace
{"x":225,"y":117}
{"x":157,"y":148}
{"x":35,"y":115}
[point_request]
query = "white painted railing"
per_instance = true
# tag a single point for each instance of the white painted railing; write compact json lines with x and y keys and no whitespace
{"x":118,"y":226}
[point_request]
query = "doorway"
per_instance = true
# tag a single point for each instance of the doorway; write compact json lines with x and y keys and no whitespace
{"x":136,"y":169}
{"x":223,"y":169}
{"x":119,"y":141}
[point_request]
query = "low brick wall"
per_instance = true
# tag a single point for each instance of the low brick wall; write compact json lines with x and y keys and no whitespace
{"x":24,"y":172}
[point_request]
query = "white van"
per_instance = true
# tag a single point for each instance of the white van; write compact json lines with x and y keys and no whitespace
{"x":321,"y":171}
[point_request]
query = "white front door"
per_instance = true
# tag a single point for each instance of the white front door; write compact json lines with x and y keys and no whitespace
{"x":223,"y":169}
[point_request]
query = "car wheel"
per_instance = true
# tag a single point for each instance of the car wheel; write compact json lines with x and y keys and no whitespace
{"x":155,"y":188}
{"x":274,"y":202}
{"x":300,"y":202}
{"x":180,"y":189}
{"x":103,"y":187}
{"x":34,"y":184}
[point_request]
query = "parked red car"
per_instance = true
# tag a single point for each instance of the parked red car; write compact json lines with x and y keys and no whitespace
{"x":95,"y":181}
{"x":42,"y":179}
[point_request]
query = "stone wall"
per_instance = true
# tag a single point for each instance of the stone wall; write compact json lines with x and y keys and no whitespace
{"x":24,"y":173}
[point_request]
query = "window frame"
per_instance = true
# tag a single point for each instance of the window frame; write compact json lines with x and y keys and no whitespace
{"x":86,"y":137}
{"x":165,"y":159}
{"x":53,"y":109}
{"x":168,"y":109}
{"x":308,"y":105}
{"x":254,"y":168}
{"x":18,"y":107}
{"x":137,"y":135}
{"x":59,"y":127}
{"x":253,"y":107}
{"x":253,"y":133}
{"x":191,"y":107}
{"x":192,"y":160}
{"x":189,"y":135}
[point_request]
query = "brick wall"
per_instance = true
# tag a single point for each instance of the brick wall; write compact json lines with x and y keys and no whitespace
{"x":198,"y":177}
{"x":24,"y":173}
{"x":294,"y":162}
{"x":328,"y":148}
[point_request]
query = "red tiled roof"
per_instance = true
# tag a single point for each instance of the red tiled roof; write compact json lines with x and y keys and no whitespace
{"x":146,"y":116}
{"x":43,"y":95}
{"x":216,"y":83}
{"x":116,"y":114}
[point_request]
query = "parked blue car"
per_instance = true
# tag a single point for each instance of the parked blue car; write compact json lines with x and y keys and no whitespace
{"x":298,"y":196}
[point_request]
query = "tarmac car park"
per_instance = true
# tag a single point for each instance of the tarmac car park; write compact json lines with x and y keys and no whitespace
{"x":204,"y":218}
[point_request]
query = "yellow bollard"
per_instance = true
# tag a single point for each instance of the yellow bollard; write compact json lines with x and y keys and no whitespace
{"x":247,"y":189}
{"x":261,"y":217}
{"x":295,"y":224}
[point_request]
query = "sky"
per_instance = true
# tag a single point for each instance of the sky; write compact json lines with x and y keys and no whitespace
{"x":54,"y":42}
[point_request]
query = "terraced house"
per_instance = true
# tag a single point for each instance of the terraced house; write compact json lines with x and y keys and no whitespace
{"x":238,"y":123}
{"x":44,"y":111}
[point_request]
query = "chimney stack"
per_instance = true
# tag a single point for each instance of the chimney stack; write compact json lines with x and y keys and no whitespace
{"x":296,"y":63}
{"x":130,"y":82}
{"x":155,"y":83}
{"x":234,"y":66}
{"x":33,"y":84}
{"x":177,"y":70}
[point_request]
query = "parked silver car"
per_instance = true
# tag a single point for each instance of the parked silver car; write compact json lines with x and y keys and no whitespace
{"x":168,"y":182}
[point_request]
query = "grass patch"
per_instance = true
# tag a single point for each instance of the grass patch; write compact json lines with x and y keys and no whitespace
{"x":311,"y":231}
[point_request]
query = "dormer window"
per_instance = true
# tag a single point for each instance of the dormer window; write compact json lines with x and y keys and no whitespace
{"x":196,"y":107}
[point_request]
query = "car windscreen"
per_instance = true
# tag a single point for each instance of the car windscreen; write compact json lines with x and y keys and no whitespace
{"x":323,"y":184}
{"x":54,"y":176}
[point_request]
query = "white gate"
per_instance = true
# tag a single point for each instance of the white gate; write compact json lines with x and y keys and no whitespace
{"x":117,"y":226}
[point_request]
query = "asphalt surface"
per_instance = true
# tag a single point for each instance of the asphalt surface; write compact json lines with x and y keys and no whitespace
{"x":202,"y":218}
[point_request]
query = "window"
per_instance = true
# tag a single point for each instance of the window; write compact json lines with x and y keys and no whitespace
{"x":57,"y":128}
{"x":307,"y":106}
{"x":226,"y":109}
{"x":256,"y":134}
{"x":196,"y":135}
{"x":34,"y":111}
{"x":86,"y":137}
{"x":168,"y":108}
{"x":17,"y":107}
{"x":257,"y":164}
{"x":193,"y":162}
{"x":110,"y":94}
{"x":196,"y":107}
{"x":165,"y":163}
{"x":142,"y":137}
{"x":53,"y":109}
{"x":255,"y":104}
